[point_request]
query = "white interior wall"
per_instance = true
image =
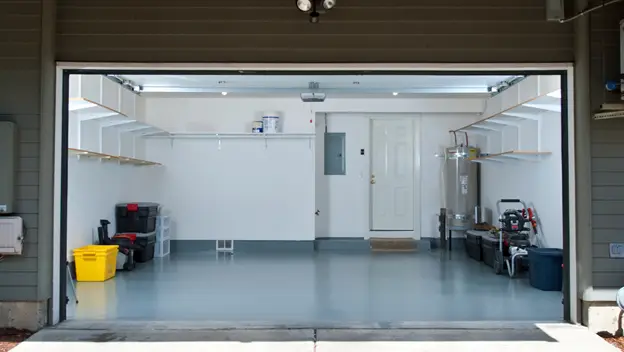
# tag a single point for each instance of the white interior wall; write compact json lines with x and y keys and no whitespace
{"x":235,"y":115}
{"x":95,"y":187}
{"x":268,"y":186}
{"x":536,"y":182}
{"x":243,"y":190}
{"x":343,"y":200}
{"x":253,"y":180}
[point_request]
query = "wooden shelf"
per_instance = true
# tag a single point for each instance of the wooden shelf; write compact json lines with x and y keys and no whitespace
{"x":513,"y":116}
{"x":512,"y":155}
{"x":117,"y":158}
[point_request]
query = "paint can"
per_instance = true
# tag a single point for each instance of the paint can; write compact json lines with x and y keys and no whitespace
{"x":270,"y":122}
{"x":256,"y":127}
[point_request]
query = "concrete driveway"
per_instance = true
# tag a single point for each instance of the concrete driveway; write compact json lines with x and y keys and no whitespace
{"x":183,"y":337}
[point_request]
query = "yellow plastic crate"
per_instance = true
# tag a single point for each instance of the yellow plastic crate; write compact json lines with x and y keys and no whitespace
{"x":95,"y":263}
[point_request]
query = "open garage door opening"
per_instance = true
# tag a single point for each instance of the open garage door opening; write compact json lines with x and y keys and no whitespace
{"x":314,"y":199}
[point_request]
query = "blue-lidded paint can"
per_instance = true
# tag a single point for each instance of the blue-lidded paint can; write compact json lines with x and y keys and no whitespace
{"x":270,"y":122}
{"x":256,"y":127}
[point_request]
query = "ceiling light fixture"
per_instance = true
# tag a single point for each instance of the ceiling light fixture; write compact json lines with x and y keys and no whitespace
{"x":224,"y":93}
{"x":395,"y":93}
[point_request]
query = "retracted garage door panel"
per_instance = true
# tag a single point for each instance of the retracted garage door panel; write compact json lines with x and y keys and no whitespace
{"x":276,"y":31}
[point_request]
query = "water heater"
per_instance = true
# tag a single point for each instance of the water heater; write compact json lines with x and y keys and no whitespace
{"x":461,"y":186}
{"x":8,"y":157}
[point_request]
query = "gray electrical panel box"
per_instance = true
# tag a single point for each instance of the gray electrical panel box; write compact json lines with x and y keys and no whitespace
{"x":335,"y":163}
{"x":8,"y":162}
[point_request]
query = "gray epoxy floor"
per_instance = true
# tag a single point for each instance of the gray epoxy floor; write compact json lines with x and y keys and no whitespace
{"x":321,"y":288}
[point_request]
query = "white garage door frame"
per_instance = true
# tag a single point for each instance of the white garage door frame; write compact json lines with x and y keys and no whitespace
{"x":564,"y":69}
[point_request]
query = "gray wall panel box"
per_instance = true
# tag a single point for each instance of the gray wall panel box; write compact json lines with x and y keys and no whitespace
{"x":8,"y":156}
{"x":335,"y":159}
{"x":461,"y":186}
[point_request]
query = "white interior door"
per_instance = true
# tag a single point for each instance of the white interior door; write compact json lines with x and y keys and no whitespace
{"x":392,"y":175}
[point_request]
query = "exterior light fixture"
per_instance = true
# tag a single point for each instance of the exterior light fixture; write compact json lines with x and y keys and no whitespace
{"x":329,"y":4}
{"x":304,"y":5}
{"x":315,"y":8}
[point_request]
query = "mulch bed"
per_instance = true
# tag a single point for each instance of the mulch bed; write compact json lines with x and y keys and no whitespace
{"x":9,"y":338}
{"x":617,"y":341}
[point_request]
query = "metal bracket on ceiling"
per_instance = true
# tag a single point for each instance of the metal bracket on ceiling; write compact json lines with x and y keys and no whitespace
{"x":126,"y":83}
{"x":505,"y":84}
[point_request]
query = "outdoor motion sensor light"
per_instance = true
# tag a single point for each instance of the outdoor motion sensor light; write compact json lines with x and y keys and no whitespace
{"x":315,"y":7}
{"x":328,"y":4}
{"x":304,"y":5}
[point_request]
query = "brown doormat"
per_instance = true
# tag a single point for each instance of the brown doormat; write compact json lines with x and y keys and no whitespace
{"x":401,"y":244}
{"x":10,"y":338}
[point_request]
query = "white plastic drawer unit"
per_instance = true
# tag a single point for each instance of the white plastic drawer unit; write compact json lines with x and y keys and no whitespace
{"x":11,"y":235}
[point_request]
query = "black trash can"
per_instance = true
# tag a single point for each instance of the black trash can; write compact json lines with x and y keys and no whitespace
{"x":545,"y":268}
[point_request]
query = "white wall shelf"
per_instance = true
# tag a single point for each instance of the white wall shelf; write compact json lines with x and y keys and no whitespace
{"x":106,"y":118}
{"x":85,"y":110}
{"x":517,"y":119}
{"x":214,"y":135}
{"x":108,"y":157}
{"x":530,"y":109}
{"x":512,"y":155}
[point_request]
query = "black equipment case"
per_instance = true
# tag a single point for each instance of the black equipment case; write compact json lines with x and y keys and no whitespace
{"x":136,"y":217}
{"x":473,"y":244}
{"x":489,"y":246}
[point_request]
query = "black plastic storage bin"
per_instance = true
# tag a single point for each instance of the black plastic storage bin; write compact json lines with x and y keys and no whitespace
{"x":489,"y":246}
{"x":147,"y":242}
{"x":545,"y":268}
{"x":473,"y":246}
{"x":136,"y":217}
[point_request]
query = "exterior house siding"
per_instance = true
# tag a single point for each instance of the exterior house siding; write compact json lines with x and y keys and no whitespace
{"x":273,"y":31}
{"x":607,"y":150}
{"x":362,"y":31}
{"x":20,"y":74}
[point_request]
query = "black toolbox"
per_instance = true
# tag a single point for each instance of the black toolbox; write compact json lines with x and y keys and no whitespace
{"x":136,"y":217}
{"x":489,"y":246}
{"x":147,"y":243}
{"x":473,"y":244}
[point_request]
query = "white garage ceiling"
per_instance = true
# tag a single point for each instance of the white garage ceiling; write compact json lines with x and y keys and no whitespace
{"x":343,"y":84}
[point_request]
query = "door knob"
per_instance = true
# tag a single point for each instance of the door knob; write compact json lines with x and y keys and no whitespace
{"x":372,"y":181}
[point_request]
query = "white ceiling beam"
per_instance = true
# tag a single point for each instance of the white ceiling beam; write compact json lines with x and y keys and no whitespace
{"x":350,"y":90}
